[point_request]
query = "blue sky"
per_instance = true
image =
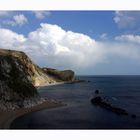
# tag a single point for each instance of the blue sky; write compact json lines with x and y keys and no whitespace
{"x":92,"y":23}
{"x":89,"y":42}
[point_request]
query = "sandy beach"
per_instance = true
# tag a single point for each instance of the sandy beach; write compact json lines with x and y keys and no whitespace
{"x":51,"y":84}
{"x":7,"y":117}
{"x":60,"y":83}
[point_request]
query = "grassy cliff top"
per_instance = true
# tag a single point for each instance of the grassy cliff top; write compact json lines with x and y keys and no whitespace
{"x":63,"y":75}
{"x":5,"y":52}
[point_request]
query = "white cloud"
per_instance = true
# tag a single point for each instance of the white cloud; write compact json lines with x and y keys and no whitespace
{"x":104,"y":36}
{"x":64,"y":47}
{"x":17,"y":20}
{"x":41,"y":14}
{"x":127,"y":19}
{"x":52,"y":46}
{"x":20,"y":19}
{"x":129,"y":38}
{"x":10,"y":39}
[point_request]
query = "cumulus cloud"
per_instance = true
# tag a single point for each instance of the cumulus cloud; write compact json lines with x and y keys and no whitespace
{"x":52,"y":46}
{"x":127,"y":19}
{"x":17,"y":20}
{"x":41,"y":14}
{"x":10,"y":39}
{"x":64,"y":48}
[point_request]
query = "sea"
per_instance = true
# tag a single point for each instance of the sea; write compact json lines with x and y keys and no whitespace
{"x":80,"y":113}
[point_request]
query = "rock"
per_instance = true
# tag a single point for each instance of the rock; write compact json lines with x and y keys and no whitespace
{"x":18,"y":76}
{"x":96,"y":91}
{"x":96,"y":100}
{"x":102,"y":103}
{"x":133,"y":116}
{"x":60,"y":75}
{"x":12,"y":62}
{"x":15,"y":68}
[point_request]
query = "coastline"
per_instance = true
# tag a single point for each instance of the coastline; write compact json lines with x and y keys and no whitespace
{"x":7,"y":117}
{"x":60,"y":83}
{"x":51,"y":84}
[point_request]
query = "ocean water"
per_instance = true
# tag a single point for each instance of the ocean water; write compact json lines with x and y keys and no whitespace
{"x":123,"y":91}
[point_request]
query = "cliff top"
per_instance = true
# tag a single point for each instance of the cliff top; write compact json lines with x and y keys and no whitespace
{"x":5,"y":52}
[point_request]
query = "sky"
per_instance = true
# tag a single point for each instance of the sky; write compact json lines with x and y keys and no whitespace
{"x":88,"y":42}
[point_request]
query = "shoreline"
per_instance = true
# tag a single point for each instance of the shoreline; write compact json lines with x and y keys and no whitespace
{"x":60,"y":83}
{"x":51,"y":84}
{"x":7,"y":117}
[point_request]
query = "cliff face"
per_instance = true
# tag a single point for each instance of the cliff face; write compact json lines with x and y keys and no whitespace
{"x":64,"y":75}
{"x":14,"y":62}
{"x":18,"y":76}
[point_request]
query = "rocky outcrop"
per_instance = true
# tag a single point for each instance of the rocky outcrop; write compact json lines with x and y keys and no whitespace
{"x":13,"y":62}
{"x":60,"y":75}
{"x":100,"y":101}
{"x":18,"y":76}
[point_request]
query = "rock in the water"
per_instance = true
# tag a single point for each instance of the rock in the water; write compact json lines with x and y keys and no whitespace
{"x":96,"y":100}
{"x":96,"y":91}
{"x":133,"y":116}
{"x":102,"y":103}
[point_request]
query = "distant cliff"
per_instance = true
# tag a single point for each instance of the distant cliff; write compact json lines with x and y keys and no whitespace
{"x":60,"y":75}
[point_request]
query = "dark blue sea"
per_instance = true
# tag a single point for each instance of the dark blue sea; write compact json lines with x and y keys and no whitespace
{"x":123,"y":91}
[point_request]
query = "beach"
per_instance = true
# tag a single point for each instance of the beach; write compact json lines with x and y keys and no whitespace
{"x":7,"y":117}
{"x":61,"y":83}
{"x":51,"y":84}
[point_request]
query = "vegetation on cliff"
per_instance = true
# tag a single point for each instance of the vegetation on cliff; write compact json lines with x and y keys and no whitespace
{"x":60,"y":75}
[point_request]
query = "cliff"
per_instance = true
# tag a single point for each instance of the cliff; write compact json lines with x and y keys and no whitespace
{"x":18,"y":76}
{"x":60,"y":75}
{"x":14,"y":62}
